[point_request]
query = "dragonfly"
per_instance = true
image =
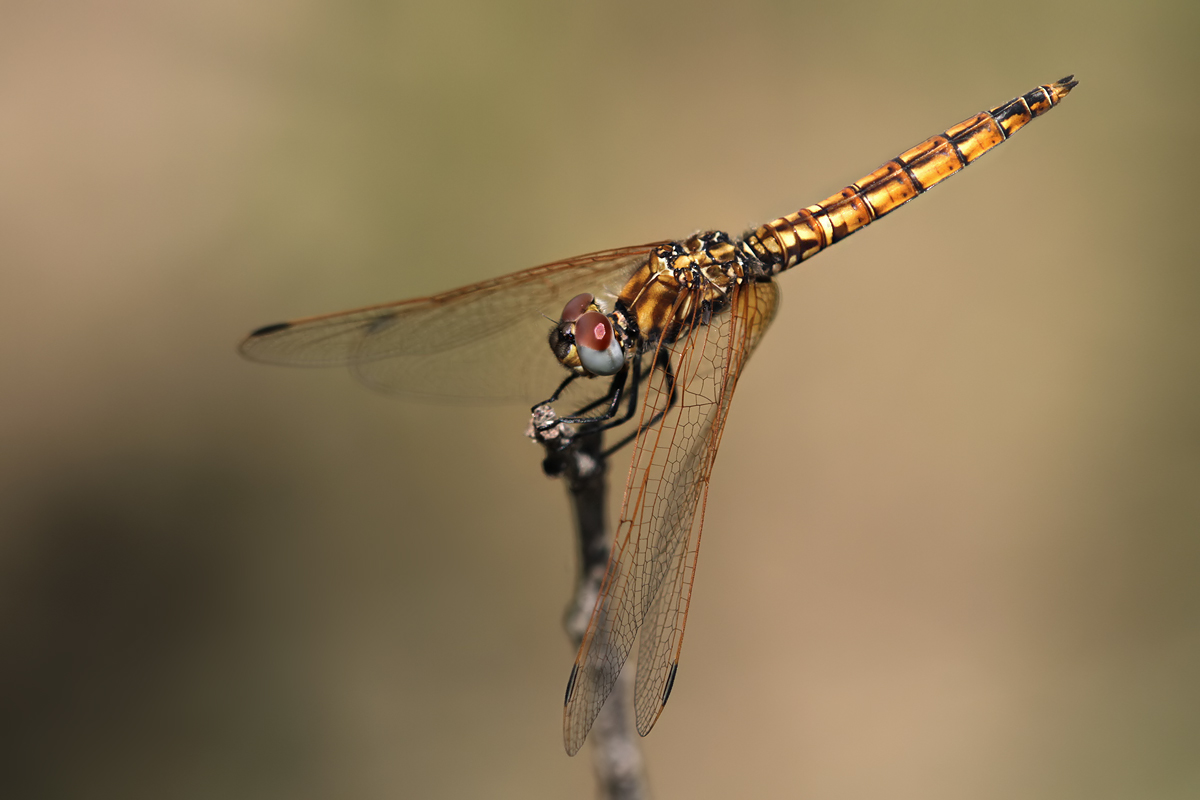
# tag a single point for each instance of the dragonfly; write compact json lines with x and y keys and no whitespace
{"x":660,"y":332}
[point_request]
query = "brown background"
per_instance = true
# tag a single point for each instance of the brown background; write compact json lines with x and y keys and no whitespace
{"x":952,"y":544}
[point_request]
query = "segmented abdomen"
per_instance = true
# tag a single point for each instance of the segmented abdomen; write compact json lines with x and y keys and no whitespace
{"x":785,"y":242}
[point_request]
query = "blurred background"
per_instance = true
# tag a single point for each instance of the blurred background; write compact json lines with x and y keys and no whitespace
{"x":952,"y":536}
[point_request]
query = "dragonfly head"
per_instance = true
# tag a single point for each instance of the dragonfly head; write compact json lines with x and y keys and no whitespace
{"x":584,"y":341}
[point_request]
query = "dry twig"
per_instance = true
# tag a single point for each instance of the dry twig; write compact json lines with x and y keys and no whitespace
{"x":578,"y":459}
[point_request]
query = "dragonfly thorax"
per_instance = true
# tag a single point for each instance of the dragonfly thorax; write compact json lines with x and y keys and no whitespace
{"x":683,"y":284}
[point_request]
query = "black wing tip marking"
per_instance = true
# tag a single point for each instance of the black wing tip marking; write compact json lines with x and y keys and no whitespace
{"x":571,"y":684}
{"x":266,"y":330}
{"x":670,"y":683}
{"x":381,"y":322}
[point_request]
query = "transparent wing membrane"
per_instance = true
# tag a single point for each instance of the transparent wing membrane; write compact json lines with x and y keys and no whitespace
{"x":480,"y":341}
{"x":650,"y":573}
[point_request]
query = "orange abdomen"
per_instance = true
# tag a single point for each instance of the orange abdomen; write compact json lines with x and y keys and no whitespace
{"x":785,"y":242}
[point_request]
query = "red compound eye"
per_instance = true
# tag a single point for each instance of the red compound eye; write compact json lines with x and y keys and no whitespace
{"x":576,"y":306}
{"x":593,"y":331}
{"x":596,"y":344}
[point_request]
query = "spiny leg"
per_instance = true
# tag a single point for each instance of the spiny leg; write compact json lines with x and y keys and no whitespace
{"x":552,"y":398}
{"x":661,"y":362}
{"x":612,"y":397}
{"x":631,"y":397}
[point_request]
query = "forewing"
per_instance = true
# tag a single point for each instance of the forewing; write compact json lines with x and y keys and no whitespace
{"x":668,"y":477}
{"x":486,"y":340}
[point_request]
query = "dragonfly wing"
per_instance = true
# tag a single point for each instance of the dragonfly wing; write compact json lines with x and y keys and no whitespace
{"x":670,"y":470}
{"x":480,"y":341}
{"x":675,"y":528}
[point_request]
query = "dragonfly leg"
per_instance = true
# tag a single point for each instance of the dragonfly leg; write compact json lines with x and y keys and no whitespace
{"x":553,"y":419}
{"x":557,"y":392}
{"x":662,"y":362}
{"x":613,"y":398}
{"x":631,"y":397}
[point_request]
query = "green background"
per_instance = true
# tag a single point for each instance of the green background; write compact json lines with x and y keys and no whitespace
{"x":952,"y":539}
